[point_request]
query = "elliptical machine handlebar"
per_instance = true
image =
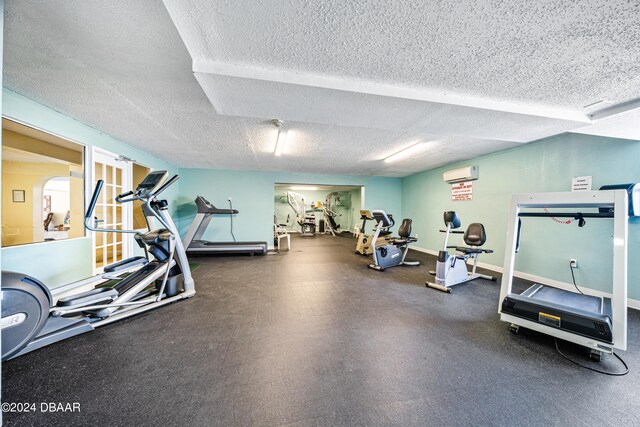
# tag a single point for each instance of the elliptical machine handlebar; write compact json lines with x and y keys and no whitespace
{"x":124,"y":197}
{"x":166,"y":185}
{"x":154,"y":195}
{"x":94,"y":200}
{"x":91,"y":224}
{"x":88,"y":217}
{"x":121,"y":198}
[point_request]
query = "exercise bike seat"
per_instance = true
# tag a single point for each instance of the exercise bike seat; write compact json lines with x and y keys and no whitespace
{"x":468,"y":251}
{"x":402,"y":240}
{"x":404,"y":233}
{"x":475,"y":237}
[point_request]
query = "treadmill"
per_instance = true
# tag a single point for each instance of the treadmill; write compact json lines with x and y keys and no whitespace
{"x":194,"y":245}
{"x":597,"y":322}
{"x":585,"y":315}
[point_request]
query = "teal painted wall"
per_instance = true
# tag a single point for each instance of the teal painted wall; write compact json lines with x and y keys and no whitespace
{"x":61,"y":262}
{"x":253,"y":195}
{"x":543,"y":166}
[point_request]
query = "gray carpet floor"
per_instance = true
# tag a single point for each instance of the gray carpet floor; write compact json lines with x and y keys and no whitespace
{"x":314,"y":337}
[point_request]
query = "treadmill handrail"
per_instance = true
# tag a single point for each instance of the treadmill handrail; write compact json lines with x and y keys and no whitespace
{"x":201,"y":201}
{"x":574,"y":215}
{"x":216,"y":211}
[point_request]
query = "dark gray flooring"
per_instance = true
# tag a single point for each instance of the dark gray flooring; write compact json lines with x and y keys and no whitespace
{"x":314,"y":337}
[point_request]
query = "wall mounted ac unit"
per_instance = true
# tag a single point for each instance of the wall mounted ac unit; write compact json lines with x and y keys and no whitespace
{"x":467,"y":173}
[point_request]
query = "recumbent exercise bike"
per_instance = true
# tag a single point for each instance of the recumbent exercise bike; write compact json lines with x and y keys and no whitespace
{"x":451,"y":270}
{"x":394,"y":252}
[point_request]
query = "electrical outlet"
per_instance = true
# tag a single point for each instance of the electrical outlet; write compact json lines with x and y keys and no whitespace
{"x":573,"y":263}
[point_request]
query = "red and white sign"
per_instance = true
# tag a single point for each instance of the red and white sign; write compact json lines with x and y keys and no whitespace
{"x":462,"y":191}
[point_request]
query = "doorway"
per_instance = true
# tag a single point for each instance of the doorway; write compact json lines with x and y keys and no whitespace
{"x":332,"y":209}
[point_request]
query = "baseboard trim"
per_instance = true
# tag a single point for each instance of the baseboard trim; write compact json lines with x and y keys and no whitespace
{"x":631,"y":303}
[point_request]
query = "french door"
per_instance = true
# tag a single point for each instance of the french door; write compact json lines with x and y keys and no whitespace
{"x":111,"y":247}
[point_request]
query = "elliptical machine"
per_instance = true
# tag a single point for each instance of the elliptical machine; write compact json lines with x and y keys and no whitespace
{"x":31,"y":320}
{"x":393,"y":253}
{"x":452,"y":270}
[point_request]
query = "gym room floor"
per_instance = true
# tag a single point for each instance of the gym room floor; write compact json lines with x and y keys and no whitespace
{"x":314,"y":337}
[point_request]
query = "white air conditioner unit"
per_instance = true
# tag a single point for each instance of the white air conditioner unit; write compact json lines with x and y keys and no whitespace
{"x":467,"y":173}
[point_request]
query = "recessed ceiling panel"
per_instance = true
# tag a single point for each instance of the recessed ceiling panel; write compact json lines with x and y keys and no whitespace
{"x":267,"y":99}
{"x":625,"y":125}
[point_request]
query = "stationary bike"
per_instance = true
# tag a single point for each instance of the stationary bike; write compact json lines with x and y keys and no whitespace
{"x":394,"y":252}
{"x":363,"y":246}
{"x":451,"y":270}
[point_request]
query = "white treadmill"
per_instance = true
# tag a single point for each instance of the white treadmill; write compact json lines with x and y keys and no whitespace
{"x":596,"y":322}
{"x":194,"y":244}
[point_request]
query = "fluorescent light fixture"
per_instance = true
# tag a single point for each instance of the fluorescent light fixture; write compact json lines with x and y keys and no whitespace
{"x":406,"y":152}
{"x":303,"y":188}
{"x":281,"y":138}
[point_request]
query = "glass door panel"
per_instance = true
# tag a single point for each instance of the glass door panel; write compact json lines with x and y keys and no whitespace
{"x":110,"y":247}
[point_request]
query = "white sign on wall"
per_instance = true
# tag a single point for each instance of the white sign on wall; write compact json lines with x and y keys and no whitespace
{"x":462,"y":191}
{"x":581,"y":183}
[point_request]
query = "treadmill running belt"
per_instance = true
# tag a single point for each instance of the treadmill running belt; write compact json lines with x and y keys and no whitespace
{"x":233,"y":244}
{"x":569,"y":299}
{"x":579,"y":314}
{"x":204,"y":247}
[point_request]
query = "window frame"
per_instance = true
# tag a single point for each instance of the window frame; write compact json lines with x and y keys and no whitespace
{"x":85,"y":150}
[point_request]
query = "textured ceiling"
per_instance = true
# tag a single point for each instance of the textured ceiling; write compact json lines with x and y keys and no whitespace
{"x":355,"y":81}
{"x":559,"y":53}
